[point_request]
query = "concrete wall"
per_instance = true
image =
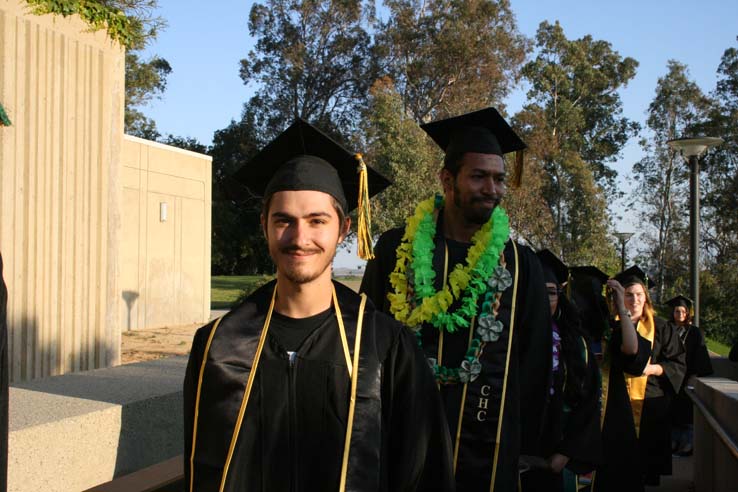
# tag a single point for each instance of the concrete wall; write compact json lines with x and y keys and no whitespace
{"x":73,"y":432}
{"x":715,"y":467}
{"x":165,"y":265}
{"x":724,"y":368}
{"x":63,"y":89}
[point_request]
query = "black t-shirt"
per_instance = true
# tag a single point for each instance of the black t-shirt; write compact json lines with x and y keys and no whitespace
{"x":291,"y":332}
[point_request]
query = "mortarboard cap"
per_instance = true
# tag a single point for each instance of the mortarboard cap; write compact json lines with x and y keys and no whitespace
{"x":554,"y":270}
{"x":304,"y":158}
{"x":680,"y":300}
{"x":631,"y":275}
{"x":590,"y":271}
{"x":484,"y":131}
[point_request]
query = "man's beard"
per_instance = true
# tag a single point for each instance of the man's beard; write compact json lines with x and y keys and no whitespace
{"x":299,"y":276}
{"x":471,"y":215}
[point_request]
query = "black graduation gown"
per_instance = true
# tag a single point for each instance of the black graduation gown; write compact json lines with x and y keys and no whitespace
{"x":697,"y":364}
{"x":630,"y":458}
{"x":572,"y":432}
{"x":481,"y":457}
{"x":3,"y":382}
{"x":294,"y":427}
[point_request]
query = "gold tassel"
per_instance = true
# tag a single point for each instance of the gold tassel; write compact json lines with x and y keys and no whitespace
{"x":364,"y":227}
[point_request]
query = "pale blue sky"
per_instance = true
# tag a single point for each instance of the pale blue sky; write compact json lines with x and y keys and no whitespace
{"x":205,"y":41}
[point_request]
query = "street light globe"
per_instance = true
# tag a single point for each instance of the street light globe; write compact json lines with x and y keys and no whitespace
{"x":693,"y":147}
{"x":623,"y":236}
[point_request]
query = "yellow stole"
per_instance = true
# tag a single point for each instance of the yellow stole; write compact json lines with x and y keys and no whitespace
{"x":637,"y":384}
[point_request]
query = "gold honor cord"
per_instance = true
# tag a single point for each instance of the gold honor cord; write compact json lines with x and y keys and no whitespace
{"x":439,"y":356}
{"x":197,"y":401}
{"x":342,"y":331}
{"x":247,"y":393}
{"x":463,"y":401}
{"x":637,"y":384}
{"x":352,"y":404}
{"x":507,"y":366}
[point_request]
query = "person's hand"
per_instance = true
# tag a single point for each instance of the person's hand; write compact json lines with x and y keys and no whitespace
{"x":557,"y":462}
{"x":618,"y":293}
{"x":653,"y":370}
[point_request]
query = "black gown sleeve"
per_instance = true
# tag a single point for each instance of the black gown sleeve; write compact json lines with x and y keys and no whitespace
{"x":671,"y":356}
{"x":535,"y":345}
{"x":375,"y":283}
{"x":698,"y":359}
{"x":582,"y":440}
{"x":189,"y":392}
{"x":418,"y":444}
{"x":631,"y":364}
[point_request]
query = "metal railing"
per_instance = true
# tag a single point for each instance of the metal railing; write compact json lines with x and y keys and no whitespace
{"x":167,"y":476}
{"x":713,"y":422}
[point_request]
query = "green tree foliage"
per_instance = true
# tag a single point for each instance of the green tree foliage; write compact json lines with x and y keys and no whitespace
{"x":108,"y":15}
{"x":186,"y":143}
{"x":238,"y":246}
{"x":311,"y":60}
{"x":447,"y":57}
{"x":576,"y":83}
{"x":132,"y":23}
{"x":145,"y":81}
{"x":574,"y":118}
{"x":720,"y":222}
{"x":662,"y":190}
{"x":400,"y":150}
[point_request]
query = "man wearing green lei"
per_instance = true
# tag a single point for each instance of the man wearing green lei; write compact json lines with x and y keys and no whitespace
{"x":477,"y":302}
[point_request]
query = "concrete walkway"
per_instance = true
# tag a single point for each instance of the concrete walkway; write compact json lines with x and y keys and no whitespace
{"x":681,"y":480}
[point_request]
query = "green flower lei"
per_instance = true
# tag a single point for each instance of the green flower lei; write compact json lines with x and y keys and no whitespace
{"x":415,"y":299}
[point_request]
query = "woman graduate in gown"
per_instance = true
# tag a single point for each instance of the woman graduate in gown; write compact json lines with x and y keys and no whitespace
{"x":642,"y":371}
{"x":571,"y":435}
{"x":698,"y":364}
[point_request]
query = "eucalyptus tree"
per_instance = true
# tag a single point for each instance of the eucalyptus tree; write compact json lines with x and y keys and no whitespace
{"x":662,"y":190}
{"x":447,"y":57}
{"x":575,"y":119}
{"x":311,"y":60}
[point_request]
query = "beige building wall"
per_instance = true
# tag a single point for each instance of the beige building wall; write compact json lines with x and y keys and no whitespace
{"x":165,"y":237}
{"x":62,"y":88}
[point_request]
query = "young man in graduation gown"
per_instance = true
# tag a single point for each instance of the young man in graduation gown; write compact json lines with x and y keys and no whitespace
{"x":305,"y":386}
{"x":697,"y":364}
{"x":476,"y":301}
{"x":642,"y":371}
{"x":571,"y":441}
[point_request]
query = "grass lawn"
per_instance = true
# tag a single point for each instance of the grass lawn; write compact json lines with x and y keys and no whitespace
{"x":224,"y":290}
{"x":717,"y":347}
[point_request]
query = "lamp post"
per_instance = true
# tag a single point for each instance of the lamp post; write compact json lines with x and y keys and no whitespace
{"x":623,"y":237}
{"x":690,"y":149}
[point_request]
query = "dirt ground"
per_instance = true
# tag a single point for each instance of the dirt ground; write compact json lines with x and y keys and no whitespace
{"x":158,"y":343}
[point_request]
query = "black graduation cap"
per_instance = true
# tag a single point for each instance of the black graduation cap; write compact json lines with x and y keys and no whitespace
{"x":590,"y":271}
{"x":680,"y":300}
{"x":631,"y":275}
{"x":304,"y":158}
{"x":484,"y":131}
{"x":554,"y":270}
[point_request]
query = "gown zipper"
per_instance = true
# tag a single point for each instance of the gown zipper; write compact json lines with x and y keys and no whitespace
{"x":293,"y":420}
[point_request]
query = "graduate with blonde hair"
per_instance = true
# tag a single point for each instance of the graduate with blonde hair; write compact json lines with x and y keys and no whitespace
{"x":642,"y":371}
